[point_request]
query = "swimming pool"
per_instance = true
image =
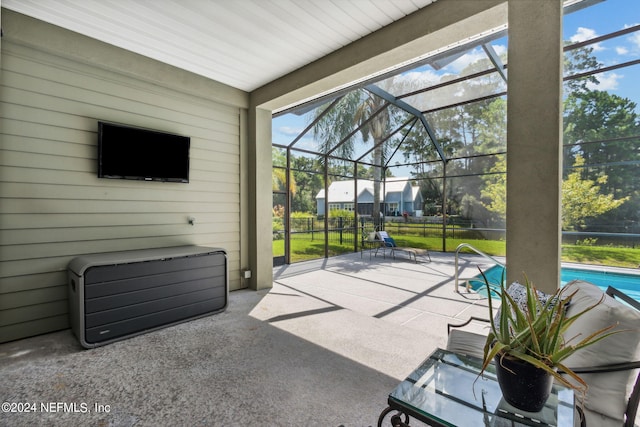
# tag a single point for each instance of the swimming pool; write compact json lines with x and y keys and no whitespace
{"x":627,"y":283}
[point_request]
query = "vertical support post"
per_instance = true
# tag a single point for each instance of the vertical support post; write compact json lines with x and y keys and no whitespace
{"x":444,"y":206}
{"x":383,"y":202}
{"x":534,"y":134}
{"x":260,"y":164}
{"x":326,"y":206}
{"x":287,"y":212}
{"x":355,"y":208}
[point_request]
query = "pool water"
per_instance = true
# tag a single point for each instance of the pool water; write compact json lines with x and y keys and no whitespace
{"x":627,"y":283}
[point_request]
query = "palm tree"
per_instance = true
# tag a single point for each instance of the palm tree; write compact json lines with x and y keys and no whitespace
{"x":279,"y":173}
{"x":357,"y":111}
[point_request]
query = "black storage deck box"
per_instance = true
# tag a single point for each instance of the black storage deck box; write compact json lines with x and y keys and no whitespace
{"x":116,"y":295}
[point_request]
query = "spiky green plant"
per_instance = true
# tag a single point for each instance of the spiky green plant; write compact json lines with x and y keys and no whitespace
{"x":536,"y":334}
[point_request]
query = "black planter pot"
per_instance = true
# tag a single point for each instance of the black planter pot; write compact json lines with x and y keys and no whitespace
{"x":527,"y":387}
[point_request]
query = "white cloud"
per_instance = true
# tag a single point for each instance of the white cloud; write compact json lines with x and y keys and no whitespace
{"x":475,"y":55}
{"x":289,"y":131}
{"x":584,"y":34}
{"x":409,"y":81}
{"x":468,"y":58}
{"x":418,"y":77}
{"x":621,"y":50}
{"x":500,"y":49}
{"x":307,"y":143}
{"x":425,"y":76}
{"x":635,"y":39}
{"x":608,"y":81}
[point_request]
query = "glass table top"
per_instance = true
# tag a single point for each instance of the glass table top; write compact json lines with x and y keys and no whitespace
{"x":446,"y":389}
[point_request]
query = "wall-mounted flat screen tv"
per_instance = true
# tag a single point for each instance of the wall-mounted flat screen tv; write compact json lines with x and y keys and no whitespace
{"x":127,"y":152}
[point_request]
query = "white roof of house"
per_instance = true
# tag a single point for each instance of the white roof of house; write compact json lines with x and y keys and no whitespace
{"x":395,"y":184}
{"x":415,"y":191}
{"x":343,"y":191}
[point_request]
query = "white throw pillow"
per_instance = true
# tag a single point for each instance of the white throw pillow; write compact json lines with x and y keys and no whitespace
{"x":608,"y":392}
{"x":381,"y":235}
{"x":518,"y":293}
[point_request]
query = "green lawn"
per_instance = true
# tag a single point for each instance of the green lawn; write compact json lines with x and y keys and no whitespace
{"x":602,"y":255}
{"x":304,"y":249}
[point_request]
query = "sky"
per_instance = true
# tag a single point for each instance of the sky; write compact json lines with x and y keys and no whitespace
{"x":599,"y":19}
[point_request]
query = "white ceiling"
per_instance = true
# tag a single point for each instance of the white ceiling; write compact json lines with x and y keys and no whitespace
{"x":242,"y":43}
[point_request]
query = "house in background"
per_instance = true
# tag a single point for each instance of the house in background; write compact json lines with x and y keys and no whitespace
{"x":399,"y":196}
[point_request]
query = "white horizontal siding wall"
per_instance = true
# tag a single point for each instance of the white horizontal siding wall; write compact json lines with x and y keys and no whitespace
{"x":52,"y":205}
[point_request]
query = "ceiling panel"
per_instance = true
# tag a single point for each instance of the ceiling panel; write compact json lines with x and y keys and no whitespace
{"x":242,"y":43}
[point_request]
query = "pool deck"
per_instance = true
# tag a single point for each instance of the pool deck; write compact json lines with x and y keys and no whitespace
{"x":323,"y":347}
{"x":416,"y":296}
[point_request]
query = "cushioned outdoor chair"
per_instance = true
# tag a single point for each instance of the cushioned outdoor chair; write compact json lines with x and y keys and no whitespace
{"x":610,"y":367}
{"x":390,"y":244}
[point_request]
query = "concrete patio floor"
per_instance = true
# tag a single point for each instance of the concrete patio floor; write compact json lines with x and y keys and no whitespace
{"x":323,"y":347}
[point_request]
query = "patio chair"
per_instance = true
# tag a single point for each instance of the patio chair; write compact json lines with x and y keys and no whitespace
{"x":369,"y":240}
{"x":611,"y":367}
{"x":390,"y":244}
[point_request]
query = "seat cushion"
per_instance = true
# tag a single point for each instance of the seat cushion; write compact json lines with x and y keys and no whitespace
{"x":596,"y":419}
{"x":465,"y":342}
{"x":608,"y":392}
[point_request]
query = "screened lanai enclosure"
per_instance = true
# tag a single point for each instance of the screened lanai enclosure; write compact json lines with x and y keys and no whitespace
{"x":420,"y":151}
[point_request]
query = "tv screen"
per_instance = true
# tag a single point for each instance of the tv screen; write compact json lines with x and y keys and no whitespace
{"x":127,"y":152}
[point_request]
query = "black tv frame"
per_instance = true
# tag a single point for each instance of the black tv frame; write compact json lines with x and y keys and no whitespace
{"x":136,"y":153}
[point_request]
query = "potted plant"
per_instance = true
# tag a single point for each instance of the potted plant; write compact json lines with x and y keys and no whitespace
{"x":527,"y":341}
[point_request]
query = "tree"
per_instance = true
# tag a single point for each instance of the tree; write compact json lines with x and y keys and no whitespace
{"x":354,"y":110}
{"x":467,"y":133}
{"x":308,"y":182}
{"x":494,"y":192}
{"x":581,"y":198}
{"x":279,"y":173}
{"x":603,"y":128}
{"x":578,"y":61}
